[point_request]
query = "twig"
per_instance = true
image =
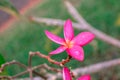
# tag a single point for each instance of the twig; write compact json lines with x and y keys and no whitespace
{"x":45,"y":57}
{"x":82,"y":25}
{"x":93,"y":68}
{"x":19,"y":74}
{"x":10,"y":63}
{"x":5,"y":77}
{"x":51,"y":60}
{"x":30,"y":74}
{"x":30,"y":65}
{"x":27,"y":71}
{"x":97,"y":67}
{"x":74,"y":13}
{"x":34,"y":68}
{"x":41,"y":75}
{"x":30,"y":59}
{"x":67,"y":60}
{"x":50,"y":68}
{"x":35,"y":78}
{"x":54,"y":22}
{"x":89,"y":69}
{"x":100,"y":35}
{"x":30,"y":69}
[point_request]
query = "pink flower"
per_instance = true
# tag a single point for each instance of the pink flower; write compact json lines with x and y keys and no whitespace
{"x":84,"y":77}
{"x":72,"y":45}
{"x":67,"y":75}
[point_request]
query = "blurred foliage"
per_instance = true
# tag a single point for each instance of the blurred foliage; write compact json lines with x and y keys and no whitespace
{"x":1,"y":60}
{"x":7,"y":6}
{"x":117,"y":23}
{"x":25,"y":36}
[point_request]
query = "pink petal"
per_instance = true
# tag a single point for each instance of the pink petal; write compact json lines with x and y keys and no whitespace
{"x":76,"y":52}
{"x":68,"y":30}
{"x":83,"y":38}
{"x":84,"y":77}
{"x":58,"y":50}
{"x":66,"y":74}
{"x":54,"y":38}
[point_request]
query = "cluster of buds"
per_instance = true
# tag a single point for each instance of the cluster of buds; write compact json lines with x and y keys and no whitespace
{"x":73,"y":46}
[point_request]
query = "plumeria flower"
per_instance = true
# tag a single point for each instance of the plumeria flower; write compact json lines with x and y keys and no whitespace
{"x":67,"y":75}
{"x":72,"y":45}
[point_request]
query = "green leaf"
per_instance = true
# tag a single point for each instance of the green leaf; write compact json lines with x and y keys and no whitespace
{"x":2,"y":60}
{"x":7,"y":6}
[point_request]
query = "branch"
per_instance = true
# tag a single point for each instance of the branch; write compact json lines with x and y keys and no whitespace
{"x":82,"y":25}
{"x":97,"y":67}
{"x":10,"y":63}
{"x":74,"y":13}
{"x":100,"y":35}
{"x":27,"y":71}
{"x":52,"y":69}
{"x":30,"y":65}
{"x":30,"y":69}
{"x":85,"y":70}
{"x":93,"y":68}
{"x":45,"y":57}
{"x":54,"y":22}
{"x":5,"y":77}
{"x":62,"y":63}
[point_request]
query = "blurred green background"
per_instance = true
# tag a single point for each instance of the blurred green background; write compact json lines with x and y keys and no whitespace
{"x":25,"y":36}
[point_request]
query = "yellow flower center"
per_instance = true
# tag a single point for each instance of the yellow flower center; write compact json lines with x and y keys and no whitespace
{"x":68,"y":44}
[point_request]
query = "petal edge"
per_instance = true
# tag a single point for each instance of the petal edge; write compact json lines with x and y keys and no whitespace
{"x":84,"y":77}
{"x":68,"y":30}
{"x":76,"y":52}
{"x":66,"y":74}
{"x":58,"y":50}
{"x":54,"y":37}
{"x":83,"y":38}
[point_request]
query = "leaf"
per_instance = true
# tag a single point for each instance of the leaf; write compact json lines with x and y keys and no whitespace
{"x":2,"y":60}
{"x":7,"y":6}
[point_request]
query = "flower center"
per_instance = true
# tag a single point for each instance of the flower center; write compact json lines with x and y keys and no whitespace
{"x":68,"y":44}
